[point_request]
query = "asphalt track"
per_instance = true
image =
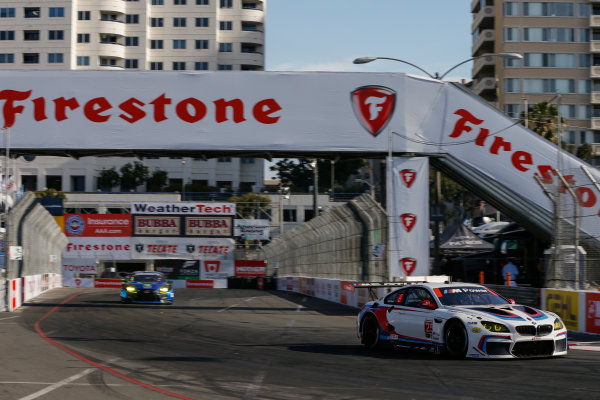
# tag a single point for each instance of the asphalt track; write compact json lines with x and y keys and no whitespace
{"x":244,"y":344}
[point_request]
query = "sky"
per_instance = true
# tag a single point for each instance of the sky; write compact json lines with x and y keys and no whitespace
{"x":326,"y":35}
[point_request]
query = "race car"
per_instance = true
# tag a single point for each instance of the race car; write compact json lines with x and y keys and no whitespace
{"x":461,"y":320}
{"x":147,"y":287}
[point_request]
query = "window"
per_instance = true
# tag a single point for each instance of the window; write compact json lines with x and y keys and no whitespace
{"x":585,"y":111}
{"x":395,"y":297}
{"x":511,"y":34}
{"x":511,"y":85}
{"x":32,"y":12}
{"x":225,"y":47}
{"x":201,"y":66}
{"x":179,"y":22}
{"x":568,"y":111}
{"x":178,"y":43}
{"x":56,"y":35}
{"x":532,"y":85}
{"x":54,"y":182}
{"x":511,"y":62}
{"x":156,"y":66}
{"x":7,"y":12}
{"x":290,"y":215}
{"x":512,"y":110}
{"x":585,"y":86}
{"x":178,"y":65}
{"x":225,"y":25}
{"x":226,"y":4}
{"x":83,"y":15}
{"x":158,"y":2}
{"x":7,"y":58}
{"x":83,"y":38}
{"x":584,"y":10}
{"x":31,"y":35}
{"x":7,"y":35}
{"x":31,"y":58}
{"x":511,"y":9}
{"x":131,"y":63}
{"x":225,"y":67}
{"x":132,"y":41}
{"x":583,"y":35}
{"x":247,"y":160}
{"x":202,"y":22}
{"x":202,"y":2}
{"x":156,"y":44}
{"x":83,"y":60}
{"x":55,"y":58}
{"x":548,"y":35}
{"x":202,"y":44}
{"x":156,"y":22}
{"x":535,"y":9}
{"x":224,"y":159}
{"x":415,"y":296}
{"x":29,"y":182}
{"x":179,"y":2}
{"x":132,"y":19}
{"x":107,"y":62}
{"x":54,"y":12}
{"x":549,"y":60}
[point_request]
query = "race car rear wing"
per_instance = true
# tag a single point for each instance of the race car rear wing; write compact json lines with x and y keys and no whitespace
{"x":399,"y":282}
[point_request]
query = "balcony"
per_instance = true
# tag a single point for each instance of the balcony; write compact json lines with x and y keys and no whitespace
{"x":594,"y":21}
{"x":596,"y":150}
{"x":596,"y":123}
{"x":484,"y":42}
{"x":484,"y":85}
{"x":595,"y":98}
{"x":595,"y":71}
{"x":484,"y":19}
{"x":595,"y":46}
{"x":487,"y":63}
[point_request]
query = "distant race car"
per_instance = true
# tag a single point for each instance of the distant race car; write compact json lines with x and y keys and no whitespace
{"x":460,"y":319}
{"x":147,"y":287}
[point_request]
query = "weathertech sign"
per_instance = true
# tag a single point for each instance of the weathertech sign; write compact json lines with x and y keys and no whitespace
{"x":183,"y":208}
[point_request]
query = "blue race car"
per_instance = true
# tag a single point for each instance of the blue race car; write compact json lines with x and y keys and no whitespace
{"x":147,"y":287}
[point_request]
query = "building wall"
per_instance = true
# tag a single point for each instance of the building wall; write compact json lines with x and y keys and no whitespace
{"x":119,"y":34}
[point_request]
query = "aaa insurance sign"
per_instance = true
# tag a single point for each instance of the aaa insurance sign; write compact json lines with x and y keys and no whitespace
{"x":97,"y":225}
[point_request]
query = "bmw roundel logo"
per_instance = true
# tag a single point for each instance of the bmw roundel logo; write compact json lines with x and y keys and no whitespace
{"x":74,"y":225}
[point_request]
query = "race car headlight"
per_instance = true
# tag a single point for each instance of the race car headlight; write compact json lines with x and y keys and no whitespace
{"x":164,"y":289}
{"x":130,"y":289}
{"x":494,"y":327}
{"x":558,"y":324}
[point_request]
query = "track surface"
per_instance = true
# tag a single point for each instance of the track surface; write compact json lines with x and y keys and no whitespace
{"x":245,"y":344}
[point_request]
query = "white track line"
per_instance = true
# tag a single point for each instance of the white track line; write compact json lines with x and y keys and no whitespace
{"x":2,"y":319}
{"x":58,"y":384}
{"x":227,"y":308}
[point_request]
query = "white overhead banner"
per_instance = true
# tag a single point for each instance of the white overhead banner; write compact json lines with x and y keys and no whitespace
{"x":98,"y":248}
{"x":408,"y":211}
{"x":288,"y":112}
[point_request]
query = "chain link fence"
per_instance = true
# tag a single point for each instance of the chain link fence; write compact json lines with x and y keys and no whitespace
{"x":344,"y":243}
{"x":576,"y":225}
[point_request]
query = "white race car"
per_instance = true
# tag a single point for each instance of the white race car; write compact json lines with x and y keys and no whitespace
{"x":462,"y":319}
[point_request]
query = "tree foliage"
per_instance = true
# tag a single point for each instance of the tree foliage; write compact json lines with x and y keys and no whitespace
{"x":585,"y":152}
{"x":107,"y":178}
{"x":157,"y":181}
{"x":250,"y":205}
{"x":542,"y":118}
{"x":133,"y":175}
{"x":298,"y":173}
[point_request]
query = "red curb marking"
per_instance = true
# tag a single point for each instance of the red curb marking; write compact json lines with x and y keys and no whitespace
{"x":95,"y":364}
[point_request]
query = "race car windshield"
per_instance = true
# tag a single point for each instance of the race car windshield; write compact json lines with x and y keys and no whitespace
{"x":468,"y":296}
{"x":147,"y":278}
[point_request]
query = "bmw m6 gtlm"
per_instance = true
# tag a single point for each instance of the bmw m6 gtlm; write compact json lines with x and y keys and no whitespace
{"x":462,"y":320}
{"x":147,"y":287}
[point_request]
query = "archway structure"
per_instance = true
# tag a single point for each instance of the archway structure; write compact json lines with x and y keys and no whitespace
{"x":80,"y":113}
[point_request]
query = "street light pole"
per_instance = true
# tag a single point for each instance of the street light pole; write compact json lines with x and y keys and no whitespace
{"x":315,"y":168}
{"x":182,"y":179}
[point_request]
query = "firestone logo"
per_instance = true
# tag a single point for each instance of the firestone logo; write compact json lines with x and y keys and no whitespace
{"x":408,"y":221}
{"x":408,"y":264}
{"x":373,"y":107}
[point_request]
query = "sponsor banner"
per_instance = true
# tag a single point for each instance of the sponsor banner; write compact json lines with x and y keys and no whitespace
{"x":183,"y":208}
{"x":208,"y":226}
{"x":149,"y":248}
{"x":592,"y":312}
{"x":69,"y":281}
{"x":79,"y":266}
{"x":199,"y":284}
{"x":216,"y":269}
{"x":107,"y":283}
{"x":565,"y":304}
{"x":408,"y":210}
{"x":98,"y":248}
{"x":97,"y":225}
{"x":252,"y":229}
{"x":144,"y":225}
{"x":250,"y":268}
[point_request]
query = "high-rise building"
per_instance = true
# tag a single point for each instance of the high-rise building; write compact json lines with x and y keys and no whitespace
{"x":190,"y":35}
{"x":560,"y":45}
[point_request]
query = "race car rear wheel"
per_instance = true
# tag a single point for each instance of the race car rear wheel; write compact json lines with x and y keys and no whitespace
{"x":456,"y":339}
{"x":370,"y":333}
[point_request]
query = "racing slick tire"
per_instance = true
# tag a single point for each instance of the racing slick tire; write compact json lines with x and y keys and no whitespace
{"x":456,"y":339}
{"x":370,"y":333}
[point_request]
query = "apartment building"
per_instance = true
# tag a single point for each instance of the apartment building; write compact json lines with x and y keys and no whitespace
{"x":133,"y":35}
{"x":560,"y":44}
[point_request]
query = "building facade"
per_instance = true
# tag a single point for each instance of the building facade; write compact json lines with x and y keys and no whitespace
{"x":560,"y":45}
{"x":133,"y":35}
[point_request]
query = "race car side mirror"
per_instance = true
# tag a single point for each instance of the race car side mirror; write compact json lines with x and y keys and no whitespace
{"x":427,"y":304}
{"x":511,"y":301}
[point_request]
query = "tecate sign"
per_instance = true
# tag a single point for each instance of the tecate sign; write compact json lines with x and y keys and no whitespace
{"x":182,"y":208}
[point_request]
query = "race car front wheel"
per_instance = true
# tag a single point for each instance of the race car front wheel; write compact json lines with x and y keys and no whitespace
{"x":370,"y":333}
{"x":456,"y":339}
